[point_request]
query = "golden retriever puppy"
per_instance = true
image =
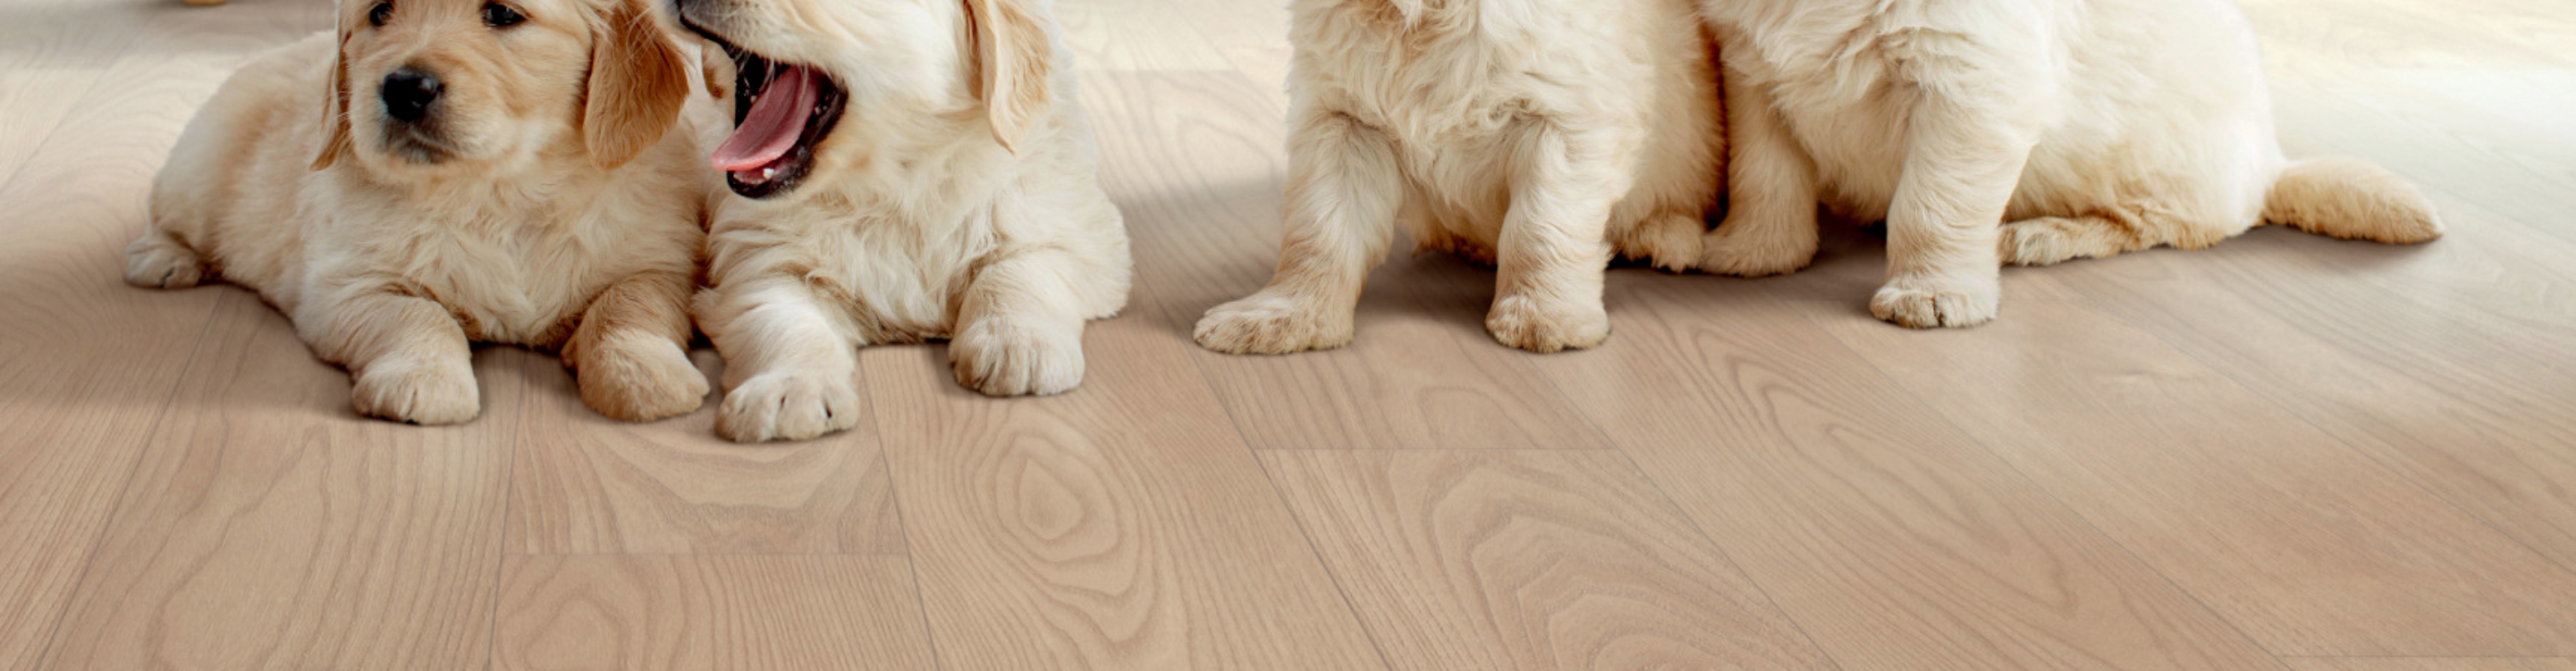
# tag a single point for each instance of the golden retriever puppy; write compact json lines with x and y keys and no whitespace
{"x":448,"y":171}
{"x":903,"y":170}
{"x":1541,"y":136}
{"x":2094,"y":127}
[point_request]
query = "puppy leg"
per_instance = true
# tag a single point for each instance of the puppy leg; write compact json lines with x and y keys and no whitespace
{"x":1343,"y":189}
{"x":2048,"y":240}
{"x":159,"y":261}
{"x":409,"y":357}
{"x":1962,"y":163}
{"x":1770,"y":226}
{"x":1019,"y":331}
{"x":1550,"y":260}
{"x":789,"y":374}
{"x":631,"y":351}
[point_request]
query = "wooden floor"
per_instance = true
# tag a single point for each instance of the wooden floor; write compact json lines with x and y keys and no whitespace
{"x":2285,"y":453}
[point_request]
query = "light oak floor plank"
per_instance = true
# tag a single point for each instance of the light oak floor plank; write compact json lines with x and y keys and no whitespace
{"x":2307,"y":545}
{"x":86,"y":363}
{"x":270,"y":527}
{"x":1122,"y":526}
{"x":2431,"y":664}
{"x":684,"y":613}
{"x":1529,"y":561}
{"x":1893,"y":539}
{"x":587,"y":484}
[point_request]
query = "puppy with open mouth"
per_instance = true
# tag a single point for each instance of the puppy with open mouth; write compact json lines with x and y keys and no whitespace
{"x":904,"y":171}
{"x":440,"y":172}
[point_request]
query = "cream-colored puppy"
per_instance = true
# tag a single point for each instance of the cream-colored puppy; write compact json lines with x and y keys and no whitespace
{"x":2094,"y":127}
{"x":1539,"y":135}
{"x":450,"y":171}
{"x":905,"y":170}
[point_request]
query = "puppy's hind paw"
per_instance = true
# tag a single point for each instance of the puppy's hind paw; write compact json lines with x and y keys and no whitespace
{"x":157,"y":262}
{"x":1272,"y":323}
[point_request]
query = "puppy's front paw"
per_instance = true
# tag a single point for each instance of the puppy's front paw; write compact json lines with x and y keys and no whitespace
{"x":1743,"y":250}
{"x":789,"y":405}
{"x":1272,"y":323}
{"x":1526,"y":323}
{"x":157,"y":262}
{"x":640,"y":379}
{"x":419,"y":392}
{"x":1923,"y":303}
{"x":1008,"y":357}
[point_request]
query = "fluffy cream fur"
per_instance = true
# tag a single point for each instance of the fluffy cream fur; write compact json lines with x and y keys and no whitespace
{"x":549,"y":207}
{"x":956,"y":198}
{"x":1539,"y":135}
{"x":2094,"y":126}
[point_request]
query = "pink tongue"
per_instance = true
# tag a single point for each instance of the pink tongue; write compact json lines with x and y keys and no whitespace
{"x":776,"y":119}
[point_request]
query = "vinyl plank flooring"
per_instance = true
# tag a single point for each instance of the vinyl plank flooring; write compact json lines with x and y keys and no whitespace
{"x":1196,"y":161}
{"x":680,"y":613}
{"x":2431,"y":664}
{"x":86,"y":363}
{"x":1896,"y":541}
{"x":2307,"y":545}
{"x":592,"y":485}
{"x":1134,"y":35}
{"x":270,"y":527}
{"x":1529,"y":561}
{"x":1121,"y":526}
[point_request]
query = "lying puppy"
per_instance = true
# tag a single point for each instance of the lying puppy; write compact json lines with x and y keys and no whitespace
{"x":906,"y":171}
{"x":480,"y":171}
{"x":2095,"y":126}
{"x":1538,"y":135}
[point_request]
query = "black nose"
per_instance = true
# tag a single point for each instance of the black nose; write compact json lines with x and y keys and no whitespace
{"x":408,"y":93}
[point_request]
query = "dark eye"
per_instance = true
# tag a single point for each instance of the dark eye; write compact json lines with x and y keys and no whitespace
{"x":380,"y":13}
{"x":498,"y":15}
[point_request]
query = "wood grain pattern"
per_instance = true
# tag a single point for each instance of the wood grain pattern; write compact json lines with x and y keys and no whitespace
{"x":270,"y":527}
{"x":1195,"y":161}
{"x":2432,"y":664}
{"x":86,"y":363}
{"x":1529,"y":561}
{"x":665,"y":613}
{"x":592,"y":485}
{"x":2308,"y":547}
{"x":1131,"y":35}
{"x":1122,"y":526}
{"x":1895,"y":541}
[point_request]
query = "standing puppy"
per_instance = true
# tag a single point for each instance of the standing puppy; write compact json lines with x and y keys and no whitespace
{"x":1539,"y":135}
{"x":906,"y":170}
{"x":2094,"y":126}
{"x":450,"y":171}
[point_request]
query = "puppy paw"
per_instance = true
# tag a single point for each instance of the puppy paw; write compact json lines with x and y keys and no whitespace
{"x":640,"y":379}
{"x":1937,"y":303}
{"x":1526,"y":323}
{"x":418,"y":392}
{"x":157,"y":262}
{"x":1734,"y":249}
{"x":1270,"y":323}
{"x":1671,"y":242}
{"x":793,"y":405}
{"x":1007,"y":357}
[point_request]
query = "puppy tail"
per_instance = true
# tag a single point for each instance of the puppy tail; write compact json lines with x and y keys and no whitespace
{"x":2353,"y":200}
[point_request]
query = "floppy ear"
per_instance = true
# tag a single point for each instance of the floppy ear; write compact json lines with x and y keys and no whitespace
{"x":335,"y":104}
{"x":1014,"y":61}
{"x":638,"y":81}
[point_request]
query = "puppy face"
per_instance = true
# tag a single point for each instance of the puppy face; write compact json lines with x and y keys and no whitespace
{"x":819,"y":83}
{"x":427,"y":86}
